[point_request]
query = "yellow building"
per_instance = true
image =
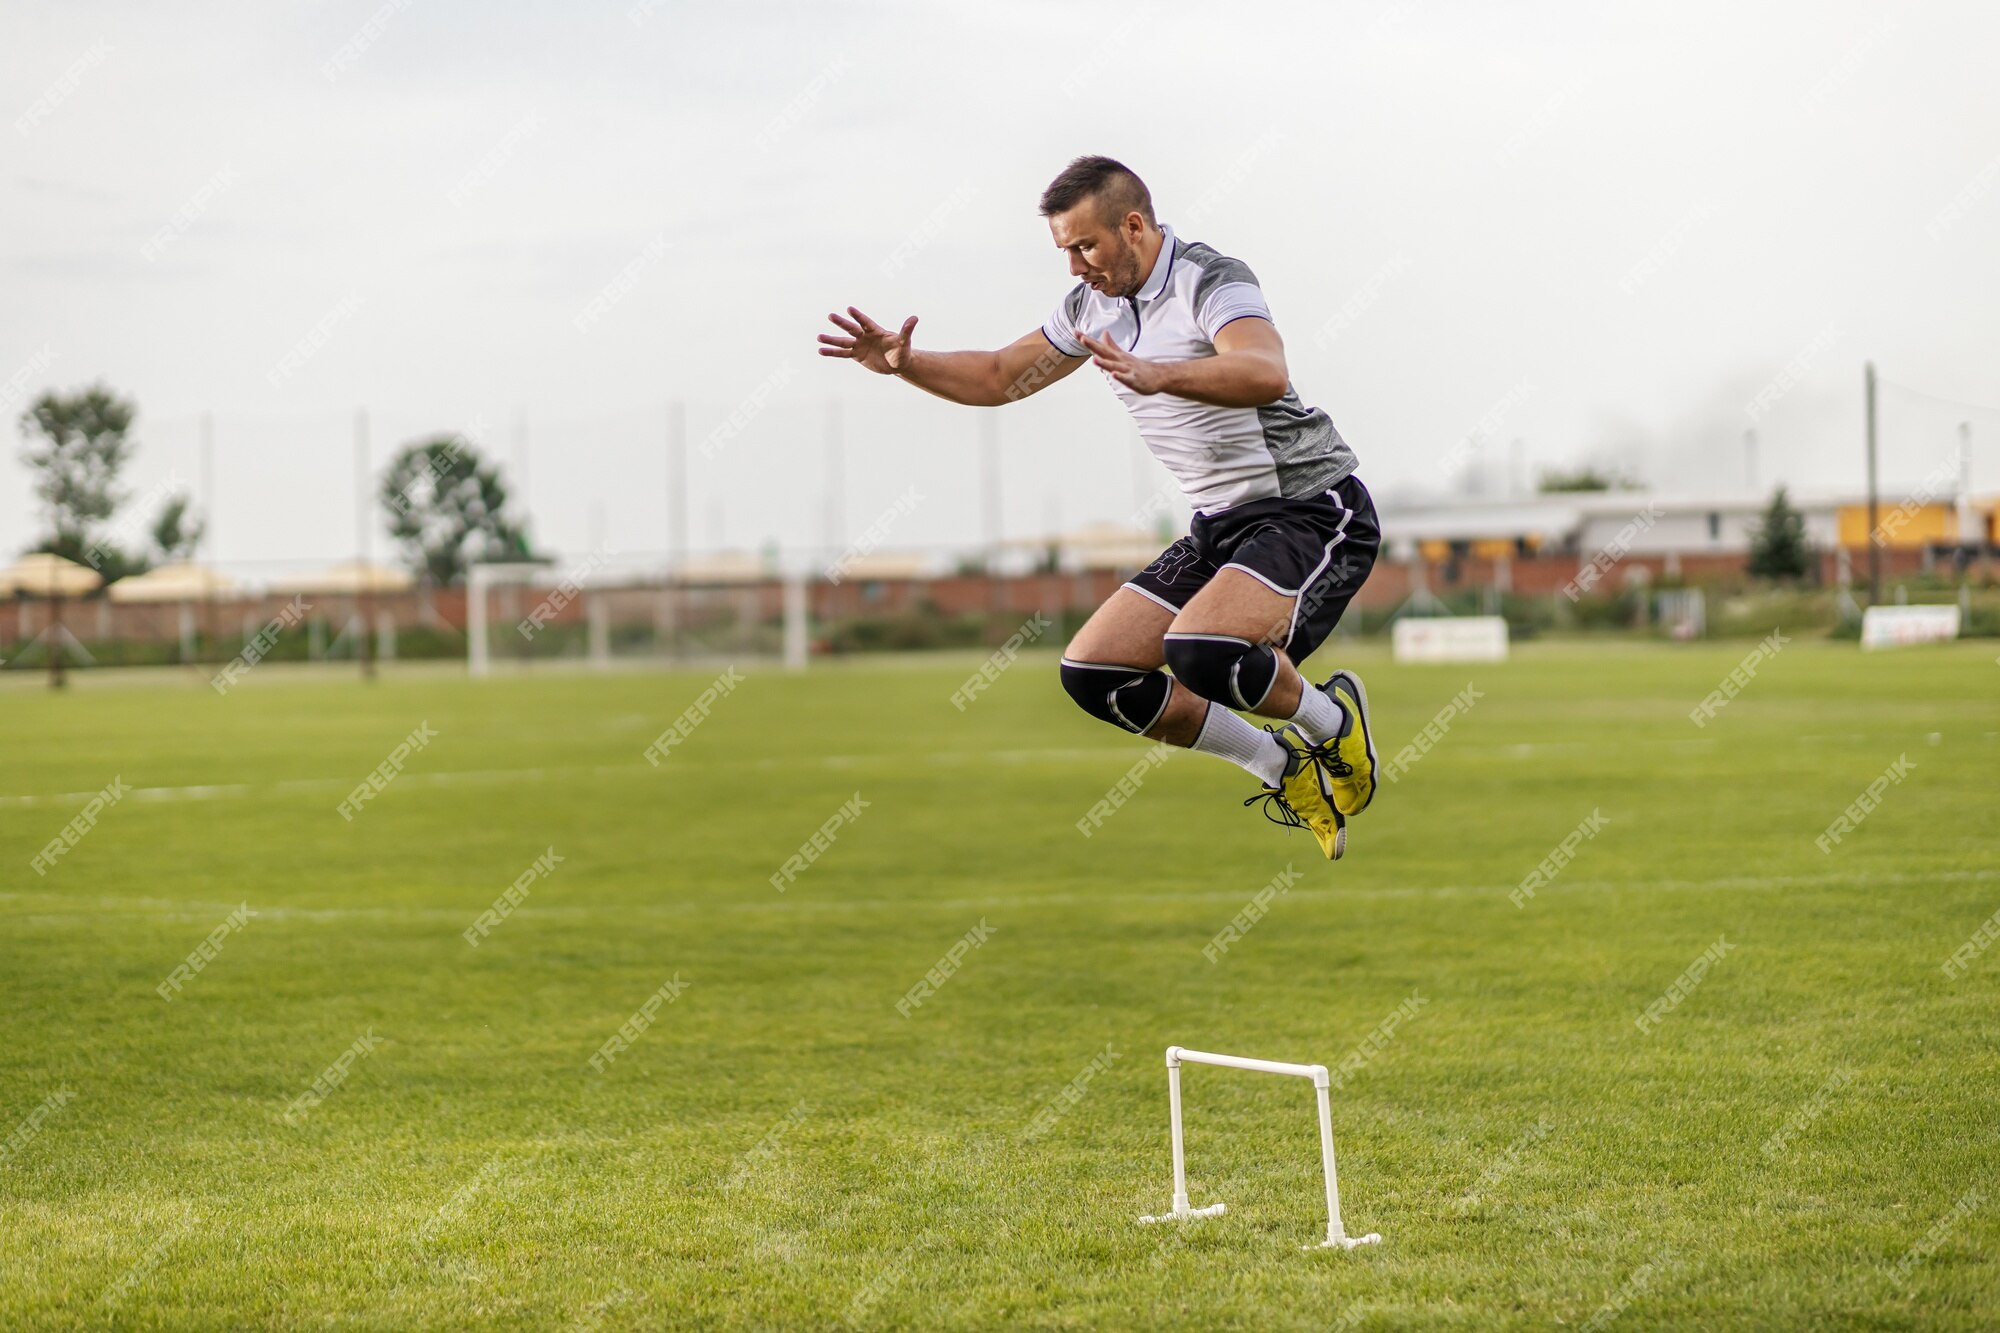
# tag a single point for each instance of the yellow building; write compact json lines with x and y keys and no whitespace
{"x":1914,"y":525}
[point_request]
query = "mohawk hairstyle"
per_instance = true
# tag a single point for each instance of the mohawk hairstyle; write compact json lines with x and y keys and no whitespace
{"x":1114,"y":185}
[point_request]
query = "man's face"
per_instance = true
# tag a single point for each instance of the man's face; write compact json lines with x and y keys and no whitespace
{"x":1102,"y":250}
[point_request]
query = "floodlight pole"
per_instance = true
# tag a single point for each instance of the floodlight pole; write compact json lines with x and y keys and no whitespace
{"x":989,"y":457}
{"x":677,"y":487}
{"x":207,"y":543}
{"x":364,"y":601}
{"x":1874,"y":546}
{"x":1964,"y":505}
{"x":667,"y":609}
{"x":836,"y":478}
{"x":521,"y":456}
{"x":991,"y":506}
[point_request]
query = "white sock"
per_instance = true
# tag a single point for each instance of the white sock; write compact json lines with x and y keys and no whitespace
{"x":1255,"y":751}
{"x":1319,"y":716}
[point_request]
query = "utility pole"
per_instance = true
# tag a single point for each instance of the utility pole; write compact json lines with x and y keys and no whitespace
{"x":521,"y":458}
{"x":1965,"y":537}
{"x":1874,"y":502}
{"x":207,"y":543}
{"x":989,"y":498}
{"x":989,"y":456}
{"x":836,"y":504}
{"x":364,"y":603}
{"x":677,"y":486}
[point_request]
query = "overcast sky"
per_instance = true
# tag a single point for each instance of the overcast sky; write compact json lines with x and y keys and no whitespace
{"x":1614,"y":232}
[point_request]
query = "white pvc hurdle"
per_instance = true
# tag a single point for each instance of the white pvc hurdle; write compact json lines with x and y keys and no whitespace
{"x":1336,"y":1234}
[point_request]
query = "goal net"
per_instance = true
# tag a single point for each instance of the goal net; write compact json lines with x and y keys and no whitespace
{"x":604,"y":615}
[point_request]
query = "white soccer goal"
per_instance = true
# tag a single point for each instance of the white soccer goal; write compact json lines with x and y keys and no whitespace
{"x":599,"y":614}
{"x":1336,"y":1234}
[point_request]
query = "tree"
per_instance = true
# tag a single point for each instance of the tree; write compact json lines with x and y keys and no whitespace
{"x":1778,"y":548}
{"x":176,"y":533}
{"x":78,"y":442}
{"x":1555,"y":481}
{"x":447,"y":508}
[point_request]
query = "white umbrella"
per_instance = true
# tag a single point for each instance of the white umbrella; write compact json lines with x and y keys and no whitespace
{"x":884,"y":565}
{"x":352,"y":577}
{"x":725,"y":567}
{"x":174,"y":583}
{"x":45,"y":575}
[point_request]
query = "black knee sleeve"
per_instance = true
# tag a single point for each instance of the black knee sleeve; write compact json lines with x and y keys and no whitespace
{"x":1231,"y":671}
{"x":1123,"y":696}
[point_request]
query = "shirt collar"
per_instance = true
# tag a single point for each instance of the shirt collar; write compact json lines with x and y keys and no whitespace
{"x":1163,"y":264}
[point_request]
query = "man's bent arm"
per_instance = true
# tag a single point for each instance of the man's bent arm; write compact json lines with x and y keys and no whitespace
{"x":1247,"y":370}
{"x":990,"y":379}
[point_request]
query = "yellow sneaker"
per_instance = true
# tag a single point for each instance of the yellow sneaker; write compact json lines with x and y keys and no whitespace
{"x":1302,"y":798}
{"x":1349,"y":760}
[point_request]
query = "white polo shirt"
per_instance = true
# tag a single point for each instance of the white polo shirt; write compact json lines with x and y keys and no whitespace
{"x":1222,"y":456}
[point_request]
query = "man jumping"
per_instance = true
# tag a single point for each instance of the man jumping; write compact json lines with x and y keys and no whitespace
{"x":1283,"y":533}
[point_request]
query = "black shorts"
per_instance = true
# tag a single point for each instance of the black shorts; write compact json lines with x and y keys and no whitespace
{"x":1316,"y":550}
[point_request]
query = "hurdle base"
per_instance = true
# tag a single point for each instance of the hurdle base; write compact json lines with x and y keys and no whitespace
{"x":1347,"y":1242}
{"x":1182,"y":1213}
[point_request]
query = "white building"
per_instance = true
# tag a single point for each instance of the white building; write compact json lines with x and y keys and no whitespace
{"x":1581,"y":523}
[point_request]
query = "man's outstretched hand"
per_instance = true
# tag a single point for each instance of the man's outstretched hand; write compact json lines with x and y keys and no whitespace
{"x":1134,"y":372}
{"x":873,"y":346}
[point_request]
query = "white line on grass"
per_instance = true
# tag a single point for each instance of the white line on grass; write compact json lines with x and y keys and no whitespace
{"x":1073,"y":754}
{"x":197,"y":909}
{"x":231,"y":791}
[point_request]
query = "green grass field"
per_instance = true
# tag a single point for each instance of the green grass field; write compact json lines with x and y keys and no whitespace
{"x":783,"y":1148}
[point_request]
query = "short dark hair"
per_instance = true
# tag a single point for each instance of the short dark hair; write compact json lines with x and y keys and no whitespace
{"x":1117,"y":189}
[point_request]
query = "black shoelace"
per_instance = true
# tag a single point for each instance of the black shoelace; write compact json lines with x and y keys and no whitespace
{"x":1277,"y":809}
